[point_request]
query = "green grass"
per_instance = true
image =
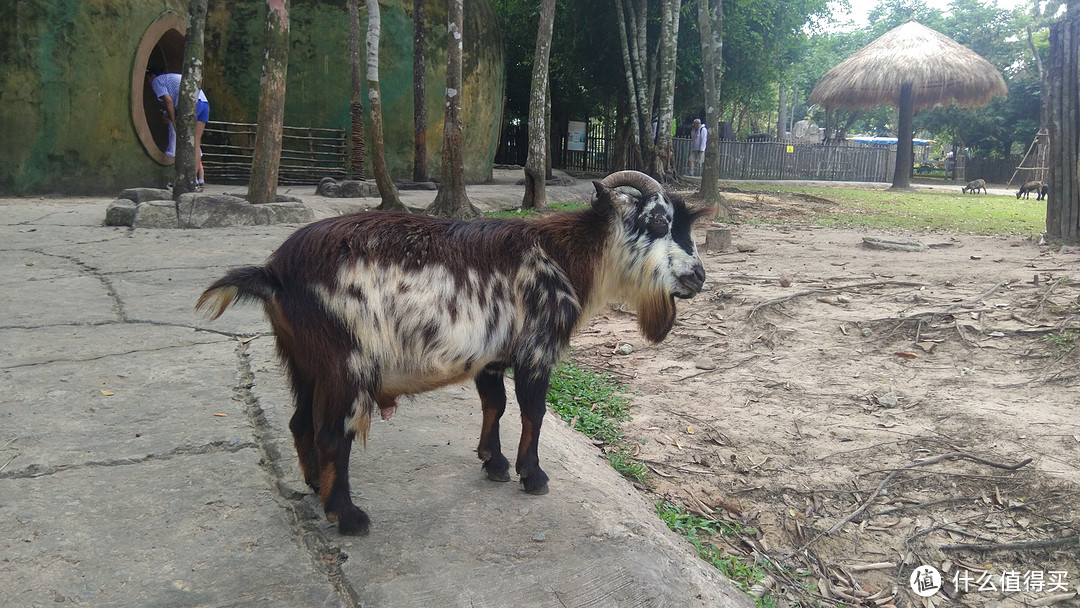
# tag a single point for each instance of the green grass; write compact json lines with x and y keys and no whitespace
{"x":939,"y":210}
{"x":1063,"y":342}
{"x":595,"y":404}
{"x":530,"y":213}
{"x":699,"y":531}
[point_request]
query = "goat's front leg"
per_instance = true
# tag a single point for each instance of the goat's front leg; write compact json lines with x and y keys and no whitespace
{"x":530,"y":386}
{"x":489,"y":384}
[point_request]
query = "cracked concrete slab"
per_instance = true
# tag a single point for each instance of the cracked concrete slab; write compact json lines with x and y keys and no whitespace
{"x":146,"y":459}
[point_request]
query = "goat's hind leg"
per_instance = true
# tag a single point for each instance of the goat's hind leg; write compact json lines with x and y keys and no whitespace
{"x":303,"y":430}
{"x":334,"y":444}
{"x":489,"y":384}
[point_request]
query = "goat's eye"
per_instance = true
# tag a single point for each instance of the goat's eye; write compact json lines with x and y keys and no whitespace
{"x":658,"y":225}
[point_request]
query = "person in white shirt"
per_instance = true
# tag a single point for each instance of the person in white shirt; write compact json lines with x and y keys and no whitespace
{"x":699,"y":135}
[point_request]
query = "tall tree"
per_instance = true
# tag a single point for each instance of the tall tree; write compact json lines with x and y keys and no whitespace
{"x":635,"y":122}
{"x":663,"y":162}
{"x":420,"y":169}
{"x":451,"y":200}
{"x":536,"y":163}
{"x":387,"y":190}
{"x":190,"y":83}
{"x":356,"y":101}
{"x":267,"y":155}
{"x":710,"y":24}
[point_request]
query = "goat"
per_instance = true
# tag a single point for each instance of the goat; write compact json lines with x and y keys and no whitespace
{"x":974,"y":186}
{"x":1028,"y":188}
{"x":373,"y":306}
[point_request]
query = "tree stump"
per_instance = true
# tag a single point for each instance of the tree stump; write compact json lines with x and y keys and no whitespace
{"x":717,"y":239}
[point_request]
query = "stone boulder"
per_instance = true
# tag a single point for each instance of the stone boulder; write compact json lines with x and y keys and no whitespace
{"x":346,"y":188}
{"x":198,"y":210}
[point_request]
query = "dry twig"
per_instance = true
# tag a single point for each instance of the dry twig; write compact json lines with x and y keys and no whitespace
{"x":921,"y":463}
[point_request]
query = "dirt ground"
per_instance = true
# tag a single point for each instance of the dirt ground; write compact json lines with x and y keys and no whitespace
{"x":861,"y":412}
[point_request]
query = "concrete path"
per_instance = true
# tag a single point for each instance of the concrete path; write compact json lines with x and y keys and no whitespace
{"x":145,"y":458}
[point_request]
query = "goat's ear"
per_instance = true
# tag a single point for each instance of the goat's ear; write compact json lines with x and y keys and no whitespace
{"x":602,"y":201}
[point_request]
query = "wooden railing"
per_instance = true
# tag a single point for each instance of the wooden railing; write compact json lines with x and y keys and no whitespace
{"x":307,"y":153}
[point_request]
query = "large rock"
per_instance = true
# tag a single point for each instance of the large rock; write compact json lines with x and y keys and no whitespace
{"x":142,"y":195}
{"x":347,"y":188}
{"x":120,"y":212}
{"x":196,"y":210}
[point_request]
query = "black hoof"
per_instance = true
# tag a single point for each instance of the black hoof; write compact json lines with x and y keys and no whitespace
{"x":497,"y":476}
{"x":536,"y":484}
{"x":498,"y":468}
{"x":353,"y":521}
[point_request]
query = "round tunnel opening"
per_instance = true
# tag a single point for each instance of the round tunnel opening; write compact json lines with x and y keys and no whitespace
{"x":162,"y":47}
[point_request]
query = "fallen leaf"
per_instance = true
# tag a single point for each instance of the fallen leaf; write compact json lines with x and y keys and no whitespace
{"x":689,"y":429}
{"x":107,"y":393}
{"x":907,"y":355}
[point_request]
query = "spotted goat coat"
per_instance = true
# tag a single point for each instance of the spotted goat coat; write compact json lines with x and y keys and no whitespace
{"x":372,"y":306}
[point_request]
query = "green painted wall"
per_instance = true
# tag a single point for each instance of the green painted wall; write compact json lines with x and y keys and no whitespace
{"x":65,"y":90}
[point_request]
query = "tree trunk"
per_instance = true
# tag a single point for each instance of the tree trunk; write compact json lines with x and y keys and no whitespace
{"x":264,"y":164}
{"x":1063,"y":105}
{"x":420,"y":168}
{"x":356,"y":102}
{"x":536,"y":164}
{"x":662,"y":167}
{"x":190,"y":83}
{"x":451,"y":200}
{"x":631,"y":86}
{"x":710,"y":24}
{"x":387,"y":189}
{"x":904,"y":133}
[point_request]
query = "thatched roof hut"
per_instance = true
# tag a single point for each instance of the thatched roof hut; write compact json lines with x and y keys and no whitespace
{"x":911,"y":67}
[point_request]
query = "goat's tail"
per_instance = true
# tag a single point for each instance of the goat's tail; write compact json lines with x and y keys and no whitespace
{"x":247,"y":283}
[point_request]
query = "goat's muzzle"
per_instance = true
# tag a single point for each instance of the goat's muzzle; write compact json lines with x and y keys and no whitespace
{"x":690,"y":284}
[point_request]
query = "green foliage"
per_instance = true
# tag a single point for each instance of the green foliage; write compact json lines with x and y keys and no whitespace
{"x":700,"y":532}
{"x":595,"y":404}
{"x":1063,"y":342}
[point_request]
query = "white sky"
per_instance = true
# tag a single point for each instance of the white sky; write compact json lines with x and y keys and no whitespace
{"x":861,"y":8}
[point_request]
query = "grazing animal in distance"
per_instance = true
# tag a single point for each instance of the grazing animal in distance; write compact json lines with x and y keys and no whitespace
{"x":974,"y":186}
{"x":1028,"y":188}
{"x":1044,"y":192}
{"x":372,"y":306}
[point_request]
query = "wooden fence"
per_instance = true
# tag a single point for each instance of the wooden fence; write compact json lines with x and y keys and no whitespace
{"x":308,"y":154}
{"x":738,"y":159}
{"x":779,"y":161}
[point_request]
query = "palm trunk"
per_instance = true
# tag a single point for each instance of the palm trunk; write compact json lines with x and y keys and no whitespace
{"x":536,"y":164}
{"x":264,"y":164}
{"x":710,"y":24}
{"x":420,"y":168}
{"x":190,"y":83}
{"x":356,"y":102}
{"x":387,"y":189}
{"x":451,"y":200}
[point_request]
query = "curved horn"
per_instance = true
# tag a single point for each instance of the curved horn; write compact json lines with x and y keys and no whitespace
{"x":635,"y":179}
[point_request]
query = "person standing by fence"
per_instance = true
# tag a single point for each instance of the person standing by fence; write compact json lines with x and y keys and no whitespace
{"x":699,"y":135}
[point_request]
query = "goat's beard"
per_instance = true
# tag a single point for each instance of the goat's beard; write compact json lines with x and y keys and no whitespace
{"x":656,"y":315}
